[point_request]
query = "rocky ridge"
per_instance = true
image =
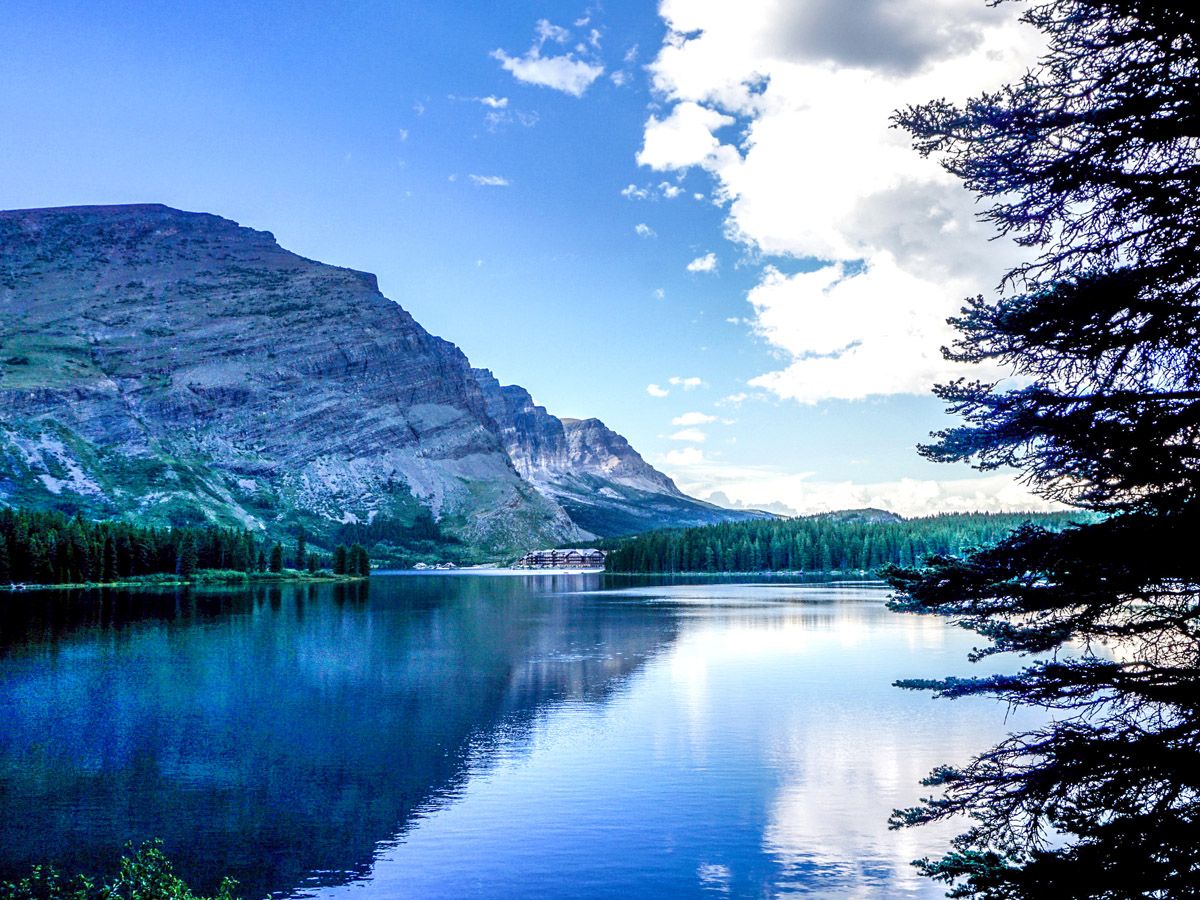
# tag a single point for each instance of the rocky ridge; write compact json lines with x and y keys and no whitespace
{"x":177,"y":368}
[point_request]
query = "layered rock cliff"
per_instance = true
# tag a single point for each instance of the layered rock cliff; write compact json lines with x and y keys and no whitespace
{"x":177,"y":368}
{"x":590,"y":470}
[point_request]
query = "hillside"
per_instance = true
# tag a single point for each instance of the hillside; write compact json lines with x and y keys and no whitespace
{"x":174,"y":368}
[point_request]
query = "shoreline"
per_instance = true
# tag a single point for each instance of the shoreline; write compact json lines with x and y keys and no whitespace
{"x":172,"y":581}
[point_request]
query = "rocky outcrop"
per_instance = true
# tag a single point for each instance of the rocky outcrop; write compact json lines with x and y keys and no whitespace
{"x":177,"y":368}
{"x":589,"y":470}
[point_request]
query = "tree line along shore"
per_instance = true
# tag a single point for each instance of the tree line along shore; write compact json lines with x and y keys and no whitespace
{"x":838,"y":542}
{"x":50,"y":549}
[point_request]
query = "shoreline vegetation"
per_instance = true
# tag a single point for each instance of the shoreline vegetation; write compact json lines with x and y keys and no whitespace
{"x":204,"y":577}
{"x":845,"y":543}
{"x":46,"y":549}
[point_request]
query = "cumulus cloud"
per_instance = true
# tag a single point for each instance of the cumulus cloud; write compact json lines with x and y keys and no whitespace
{"x":705,"y":263}
{"x":644,"y":230}
{"x":768,"y":488}
{"x":813,"y":171}
{"x":689,"y":383}
{"x":655,"y":390}
{"x":490,"y":180}
{"x":693,"y":435}
{"x":566,"y":72}
{"x":883,"y":35}
{"x":693,"y":418}
{"x":850,"y":334}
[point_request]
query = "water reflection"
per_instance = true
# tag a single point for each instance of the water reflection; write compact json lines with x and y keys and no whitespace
{"x":277,"y":731}
{"x":490,"y":737}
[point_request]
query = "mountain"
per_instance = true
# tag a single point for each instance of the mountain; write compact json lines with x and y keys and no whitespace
{"x":591,"y":471}
{"x":176,"y":368}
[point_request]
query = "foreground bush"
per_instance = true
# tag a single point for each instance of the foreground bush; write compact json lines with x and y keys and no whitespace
{"x":144,"y":874}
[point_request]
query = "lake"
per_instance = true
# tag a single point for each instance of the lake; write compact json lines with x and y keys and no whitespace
{"x":474,"y":736}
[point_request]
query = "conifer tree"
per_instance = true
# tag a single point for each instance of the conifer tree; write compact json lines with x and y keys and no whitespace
{"x":277,"y":558}
{"x":1091,"y":162}
{"x":301,"y":550}
{"x":186,"y":557}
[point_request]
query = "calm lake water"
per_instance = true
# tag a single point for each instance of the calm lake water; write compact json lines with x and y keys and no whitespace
{"x":471,"y":736}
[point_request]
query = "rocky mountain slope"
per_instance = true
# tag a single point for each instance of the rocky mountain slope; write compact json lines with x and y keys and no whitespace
{"x":589,"y":469}
{"x":176,"y":368}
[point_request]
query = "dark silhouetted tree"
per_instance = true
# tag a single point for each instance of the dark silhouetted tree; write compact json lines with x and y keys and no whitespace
{"x":277,"y":558}
{"x":186,"y":557}
{"x":1091,"y":162}
{"x":339,"y":560}
{"x":301,"y":550}
{"x":357,"y":561}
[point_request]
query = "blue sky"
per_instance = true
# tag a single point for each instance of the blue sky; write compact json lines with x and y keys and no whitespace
{"x":532,"y":181}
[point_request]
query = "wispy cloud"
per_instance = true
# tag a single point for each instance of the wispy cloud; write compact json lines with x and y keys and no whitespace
{"x":655,"y":390}
{"x":665,"y":190}
{"x":566,"y":72}
{"x":693,"y":418}
{"x":689,"y":383}
{"x":685,"y":456}
{"x":693,"y":435}
{"x":644,"y":230}
{"x":490,"y":180}
{"x":705,"y":264}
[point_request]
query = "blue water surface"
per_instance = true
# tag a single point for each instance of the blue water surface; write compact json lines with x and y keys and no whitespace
{"x":472,"y":736}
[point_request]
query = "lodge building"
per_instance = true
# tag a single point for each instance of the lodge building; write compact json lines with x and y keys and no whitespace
{"x":562,"y":559}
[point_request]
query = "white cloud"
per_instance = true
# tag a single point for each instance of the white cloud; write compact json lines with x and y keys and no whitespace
{"x":849,"y":336}
{"x":814,"y":171}
{"x":644,"y":230}
{"x":548,"y":31}
{"x":659,"y":293}
{"x":693,"y":418}
{"x":633,"y":192}
{"x":490,"y":180}
{"x":762,"y":487}
{"x":693,"y":435}
{"x":403,"y":133}
{"x":689,"y":383}
{"x":566,"y":72}
{"x":655,"y":391}
{"x":494,"y":102}
{"x":706,"y":263}
{"x":670,"y":191}
{"x":685,"y":456}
